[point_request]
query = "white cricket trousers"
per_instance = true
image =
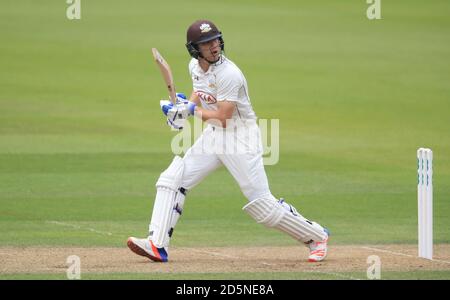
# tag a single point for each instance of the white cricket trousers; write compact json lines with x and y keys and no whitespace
{"x":238,"y":148}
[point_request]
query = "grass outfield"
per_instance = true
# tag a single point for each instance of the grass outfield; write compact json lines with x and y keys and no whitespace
{"x":82,"y":139}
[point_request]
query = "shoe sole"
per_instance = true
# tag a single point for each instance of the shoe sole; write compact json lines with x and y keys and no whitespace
{"x":315,"y":260}
{"x":139,"y":251}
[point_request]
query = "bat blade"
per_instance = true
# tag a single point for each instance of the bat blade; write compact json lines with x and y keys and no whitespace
{"x":166,"y":73}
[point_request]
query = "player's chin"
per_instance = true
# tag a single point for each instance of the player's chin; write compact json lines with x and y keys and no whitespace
{"x":214,"y":58}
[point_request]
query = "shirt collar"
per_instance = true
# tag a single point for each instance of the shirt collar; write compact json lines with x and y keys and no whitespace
{"x":213,"y":67}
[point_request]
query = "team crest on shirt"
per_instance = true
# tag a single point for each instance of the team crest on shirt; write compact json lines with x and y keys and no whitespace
{"x":207,"y":98}
{"x":205,"y":27}
{"x":212,"y":82}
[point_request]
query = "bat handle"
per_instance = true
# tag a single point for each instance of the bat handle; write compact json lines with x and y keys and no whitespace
{"x":173,"y":98}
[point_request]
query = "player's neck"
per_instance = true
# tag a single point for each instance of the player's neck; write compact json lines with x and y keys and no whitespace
{"x":204,"y":64}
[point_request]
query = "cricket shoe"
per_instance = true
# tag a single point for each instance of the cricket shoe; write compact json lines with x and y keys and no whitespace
{"x":318,"y":250}
{"x":145,"y":247}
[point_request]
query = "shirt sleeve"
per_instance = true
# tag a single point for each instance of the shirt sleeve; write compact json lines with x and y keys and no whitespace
{"x":228,"y":86}
{"x":191,"y":66}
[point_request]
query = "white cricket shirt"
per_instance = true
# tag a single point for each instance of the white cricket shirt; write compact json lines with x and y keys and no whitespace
{"x":222,"y":82}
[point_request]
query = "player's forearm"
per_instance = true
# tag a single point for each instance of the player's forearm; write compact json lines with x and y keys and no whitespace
{"x":195,"y":98}
{"x":215,"y":117}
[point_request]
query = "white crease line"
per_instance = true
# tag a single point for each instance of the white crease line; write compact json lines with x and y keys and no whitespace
{"x":214,"y":253}
{"x":227,"y":256}
{"x":79,"y":227}
{"x":403,"y":254}
{"x":272,"y":265}
{"x":442,"y":261}
{"x":387,"y":251}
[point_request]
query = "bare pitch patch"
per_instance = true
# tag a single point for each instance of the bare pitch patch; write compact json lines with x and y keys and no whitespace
{"x":351,"y":258}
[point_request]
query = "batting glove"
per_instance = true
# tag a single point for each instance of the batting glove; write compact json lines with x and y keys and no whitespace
{"x":181,"y":97}
{"x":184,"y":105}
{"x":167,"y":105}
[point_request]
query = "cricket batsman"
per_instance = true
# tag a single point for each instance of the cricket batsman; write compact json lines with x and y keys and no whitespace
{"x":220,"y":98}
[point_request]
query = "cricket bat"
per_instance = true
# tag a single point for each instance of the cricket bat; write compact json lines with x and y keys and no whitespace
{"x":166,"y":73}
